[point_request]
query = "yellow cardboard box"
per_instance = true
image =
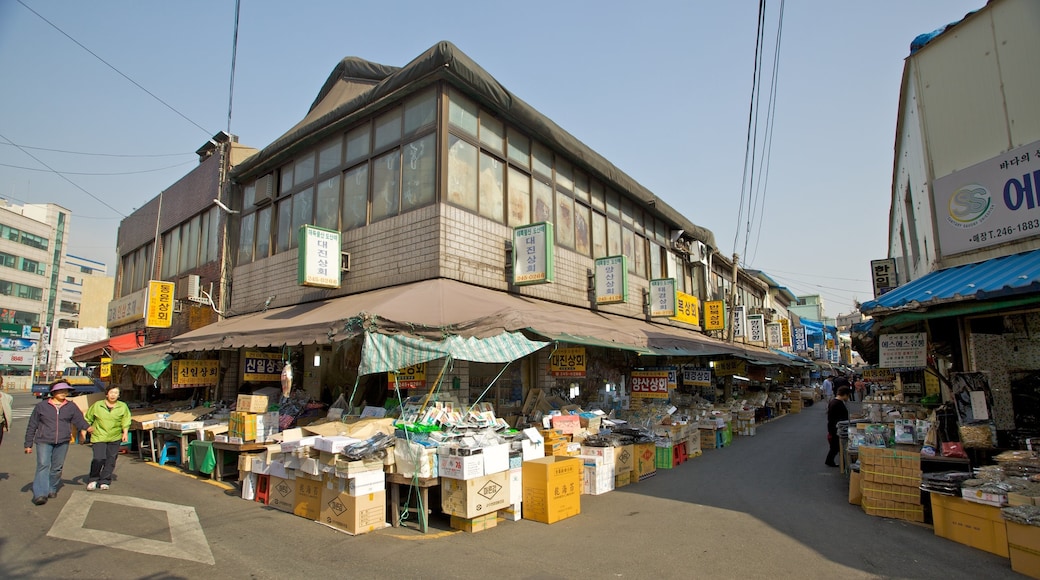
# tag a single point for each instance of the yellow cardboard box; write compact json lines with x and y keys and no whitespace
{"x":1024,"y":548}
{"x":353,"y":514}
{"x":282,"y":494}
{"x":251,"y":403}
{"x":552,"y":488}
{"x":972,"y":524}
{"x":307,"y":500}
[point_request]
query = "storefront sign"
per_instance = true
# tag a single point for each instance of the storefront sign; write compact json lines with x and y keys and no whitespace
{"x":785,"y":332}
{"x":774,"y":335}
{"x":884,"y":376}
{"x":687,"y":308}
{"x":799,"y":342}
{"x":884,"y":274}
{"x":989,"y":203}
{"x":696,"y":377}
{"x":568,"y":362}
{"x":10,"y":357}
{"x":533,"y":253}
{"x":714,"y":315}
{"x":410,"y":377}
{"x":195,"y":373}
{"x":18,"y":331}
{"x":260,"y":367}
{"x":319,"y":258}
{"x":105,"y":368}
{"x":127,"y":308}
{"x":907,"y":350}
{"x":730,"y":366}
{"x":650,"y":384}
{"x":931,"y":382}
{"x":739,"y":321}
{"x":662,"y":297}
{"x":756,"y":324}
{"x":160,"y":304}
{"x":611,"y":280}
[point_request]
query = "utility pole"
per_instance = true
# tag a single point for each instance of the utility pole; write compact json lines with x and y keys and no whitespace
{"x":727,"y":389}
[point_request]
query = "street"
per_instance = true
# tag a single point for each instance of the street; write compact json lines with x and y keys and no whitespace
{"x":765,"y":507}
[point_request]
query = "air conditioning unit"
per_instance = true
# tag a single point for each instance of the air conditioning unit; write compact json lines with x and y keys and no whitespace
{"x":187,"y":287}
{"x":266,"y":190}
{"x":344,"y":261}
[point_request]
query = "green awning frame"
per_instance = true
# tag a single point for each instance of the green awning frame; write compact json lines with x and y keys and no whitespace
{"x":959,"y":309}
{"x":593,"y":341}
{"x":383,"y":353}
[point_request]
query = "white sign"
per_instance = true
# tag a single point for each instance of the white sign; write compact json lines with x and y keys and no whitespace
{"x":128,"y":308}
{"x":696,"y":377}
{"x":739,"y":321}
{"x":774,"y":335}
{"x":907,"y":350}
{"x":883,"y":272}
{"x":533,"y":254}
{"x":662,"y":297}
{"x":756,"y":324}
{"x":989,"y":203}
{"x":319,"y":261}
{"x":13,"y":357}
{"x":611,"y":280}
{"x":800,"y":343}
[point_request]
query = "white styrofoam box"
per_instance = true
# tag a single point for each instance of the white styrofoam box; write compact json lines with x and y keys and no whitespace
{"x":277,"y":469}
{"x":259,"y":466}
{"x":462,"y":466}
{"x":413,"y":459}
{"x":533,"y":450}
{"x":298,"y":443}
{"x":609,"y":454}
{"x":310,"y":466}
{"x":366,"y":482}
{"x":334,"y":443}
{"x":496,"y":458}
{"x":249,"y":486}
{"x":598,"y":480}
{"x":516,"y":486}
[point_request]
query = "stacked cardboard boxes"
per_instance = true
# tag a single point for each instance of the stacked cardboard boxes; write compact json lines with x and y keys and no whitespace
{"x":891,"y":480}
{"x":251,"y":421}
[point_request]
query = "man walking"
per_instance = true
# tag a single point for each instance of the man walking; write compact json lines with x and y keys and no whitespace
{"x":50,"y":428}
{"x":836,"y":412}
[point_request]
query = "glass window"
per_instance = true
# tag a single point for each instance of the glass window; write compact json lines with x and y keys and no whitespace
{"x":519,"y":198}
{"x":283,"y":226}
{"x":613,"y":238}
{"x":358,"y":146}
{"x":204,"y":238}
{"x":542,"y":196}
{"x":327,"y":206}
{"x":286,"y":182}
{"x":462,"y":173}
{"x":213,"y":234}
{"x":420,"y":173}
{"x":304,"y":170}
{"x":492,"y":133}
{"x":190,"y":244}
{"x":171,"y":259}
{"x":626,"y":212}
{"x":386,"y":185}
{"x":564,"y":179}
{"x":302,"y":213}
{"x":541,"y":159}
{"x":598,"y":195}
{"x":263,"y":233}
{"x":661,"y":232}
{"x":420,"y":112}
{"x":329,"y":155}
{"x":564,"y":220}
{"x":599,"y":235}
{"x":582,"y":241}
{"x":581,"y":186}
{"x":462,"y":113}
{"x":613,"y":204}
{"x":355,"y":197}
{"x":637,"y":222}
{"x":247,"y":230}
{"x":628,"y":245}
{"x":640,"y":250}
{"x":519,"y":149}
{"x":388,"y":129}
{"x":492,"y":188}
{"x":249,"y":195}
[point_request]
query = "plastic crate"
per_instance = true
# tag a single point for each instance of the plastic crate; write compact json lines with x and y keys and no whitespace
{"x":663,"y":458}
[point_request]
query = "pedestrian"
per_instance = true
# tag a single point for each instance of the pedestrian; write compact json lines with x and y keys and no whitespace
{"x":836,"y":412}
{"x":861,"y":389}
{"x":828,"y":388}
{"x":6,"y":413}
{"x":110,"y":418}
{"x":50,"y":428}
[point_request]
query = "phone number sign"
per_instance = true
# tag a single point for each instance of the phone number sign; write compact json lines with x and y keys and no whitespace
{"x":650,"y":384}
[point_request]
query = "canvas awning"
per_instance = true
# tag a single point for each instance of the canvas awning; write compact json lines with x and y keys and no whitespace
{"x":94,"y":351}
{"x":383,"y":353}
{"x":155,"y":358}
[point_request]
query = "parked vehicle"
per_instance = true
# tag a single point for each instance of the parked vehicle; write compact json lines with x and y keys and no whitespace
{"x":80,"y":386}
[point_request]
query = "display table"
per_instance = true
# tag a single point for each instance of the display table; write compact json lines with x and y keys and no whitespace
{"x":220,"y":449}
{"x":184,"y":439}
{"x":422,"y":484}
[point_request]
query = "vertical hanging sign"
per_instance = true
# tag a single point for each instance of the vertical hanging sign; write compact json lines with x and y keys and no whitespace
{"x":160,"y":304}
{"x":687,"y":308}
{"x":611,"y":280}
{"x":739,"y":322}
{"x":318,"y":263}
{"x":714,"y":315}
{"x":533,"y":254}
{"x":756,"y":324}
{"x":785,"y":332}
{"x":800,"y":344}
{"x":662,"y":297}
{"x":774,"y":335}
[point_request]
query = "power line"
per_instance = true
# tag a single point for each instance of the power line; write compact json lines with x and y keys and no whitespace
{"x":93,"y":173}
{"x":102,"y":154}
{"x":119,"y":72}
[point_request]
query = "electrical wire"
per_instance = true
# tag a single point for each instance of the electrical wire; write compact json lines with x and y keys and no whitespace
{"x":749,"y":141}
{"x":102,"y":154}
{"x":95,"y":173}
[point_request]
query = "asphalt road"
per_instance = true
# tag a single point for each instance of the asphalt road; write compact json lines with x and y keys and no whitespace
{"x":765,"y":507}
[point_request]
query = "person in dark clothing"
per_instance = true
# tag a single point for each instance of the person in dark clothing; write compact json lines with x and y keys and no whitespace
{"x":50,"y":429}
{"x":836,"y":412}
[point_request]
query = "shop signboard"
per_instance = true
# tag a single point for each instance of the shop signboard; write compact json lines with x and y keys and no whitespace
{"x":160,"y":304}
{"x":533,"y":253}
{"x":931,"y":382}
{"x":798,"y":339}
{"x":673,"y":375}
{"x":611,"y":280}
{"x":127,"y":308}
{"x":19,"y":344}
{"x":687,"y":308}
{"x":730,"y":366}
{"x":883,"y":272}
{"x":785,"y":332}
{"x":739,"y":321}
{"x":714,"y":315}
{"x":756,"y":328}
{"x":11,"y":357}
{"x":195,"y":373}
{"x":662,"y":297}
{"x":903,"y":350}
{"x":8,"y":330}
{"x":568,"y":362}
{"x":319,"y":260}
{"x":650,"y":384}
{"x":697,"y":376}
{"x":880,"y":376}
{"x":989,"y":203}
{"x":260,"y":367}
{"x":410,"y":377}
{"x":105,"y":368}
{"x":774,"y":335}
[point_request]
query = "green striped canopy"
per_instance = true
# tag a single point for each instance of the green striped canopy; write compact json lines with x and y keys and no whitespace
{"x":382,"y":353}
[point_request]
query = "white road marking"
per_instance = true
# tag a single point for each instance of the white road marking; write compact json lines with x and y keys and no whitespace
{"x":188,"y":541}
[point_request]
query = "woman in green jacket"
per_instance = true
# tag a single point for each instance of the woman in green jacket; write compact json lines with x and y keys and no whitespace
{"x":110,"y":418}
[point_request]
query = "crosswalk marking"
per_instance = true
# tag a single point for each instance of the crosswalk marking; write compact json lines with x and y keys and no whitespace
{"x":22,"y":413}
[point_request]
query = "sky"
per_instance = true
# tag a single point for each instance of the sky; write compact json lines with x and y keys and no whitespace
{"x":104,"y":103}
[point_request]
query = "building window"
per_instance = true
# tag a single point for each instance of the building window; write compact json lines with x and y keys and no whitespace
{"x":419,"y":173}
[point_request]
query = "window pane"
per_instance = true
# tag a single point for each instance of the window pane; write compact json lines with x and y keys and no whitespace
{"x":304,"y":170}
{"x":190,"y":245}
{"x":519,"y":149}
{"x":626,"y":212}
{"x":598,"y":195}
{"x":302,"y":213}
{"x":543,"y":201}
{"x":653,"y":268}
{"x":541,"y":160}
{"x":388,"y":129}
{"x":564,"y":220}
{"x":492,"y":188}
{"x":564,"y":180}
{"x":492,"y":133}
{"x":328,"y":158}
{"x":212,"y":232}
{"x":245,"y":239}
{"x":204,"y":228}
{"x":462,"y":173}
{"x":581,"y":229}
{"x":286,"y":181}
{"x":419,"y":173}
{"x":283,"y":226}
{"x":637,"y":221}
{"x":249,"y":195}
{"x":358,"y":144}
{"x":263,"y":233}
{"x":628,"y":247}
{"x":327,"y":214}
{"x":519,"y":198}
{"x":462,"y":113}
{"x":581,"y":185}
{"x":599,"y":235}
{"x":420,"y":112}
{"x":355,"y":197}
{"x":386,"y":185}
{"x":173,"y":253}
{"x":613,"y":238}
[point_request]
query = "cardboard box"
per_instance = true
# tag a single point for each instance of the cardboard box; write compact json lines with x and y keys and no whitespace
{"x":567,"y":424}
{"x":855,"y":488}
{"x":365,"y":482}
{"x":1024,"y":548}
{"x":282,"y":494}
{"x":532,"y":449}
{"x":496,"y":458}
{"x":85,"y":401}
{"x":353,"y":514}
{"x":552,"y":488}
{"x":413,"y":459}
{"x":597,"y":479}
{"x":972,"y":524}
{"x":622,"y":480}
{"x":984,"y":498}
{"x":333,"y":443}
{"x":645,"y":461}
{"x":624,"y":459}
{"x":462,"y":466}
{"x":307,"y":500}
{"x":251,"y":403}
{"x":469,"y":498}
{"x":477,"y":524}
{"x":349,"y":468}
